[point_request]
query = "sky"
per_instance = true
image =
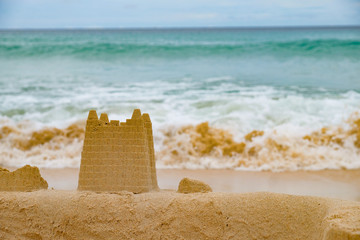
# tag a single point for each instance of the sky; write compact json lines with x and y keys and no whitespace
{"x":184,"y":13}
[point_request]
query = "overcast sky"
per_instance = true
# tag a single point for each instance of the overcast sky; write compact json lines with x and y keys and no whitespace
{"x":183,"y":13}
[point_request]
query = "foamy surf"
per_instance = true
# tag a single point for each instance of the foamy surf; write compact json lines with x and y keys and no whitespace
{"x":201,"y":146}
{"x":25,"y":143}
{"x":286,"y":85}
{"x":282,"y":148}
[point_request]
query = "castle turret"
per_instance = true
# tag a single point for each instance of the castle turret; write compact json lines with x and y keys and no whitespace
{"x":104,"y":118}
{"x":92,"y":115}
{"x":118,"y":157}
{"x":136,"y":114}
{"x":92,"y":120}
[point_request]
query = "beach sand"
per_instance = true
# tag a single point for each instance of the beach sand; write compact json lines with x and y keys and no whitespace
{"x":241,"y":207}
{"x":56,"y":214}
{"x":342,"y":184}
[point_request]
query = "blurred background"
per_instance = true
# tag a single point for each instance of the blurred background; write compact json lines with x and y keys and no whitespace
{"x":261,"y":85}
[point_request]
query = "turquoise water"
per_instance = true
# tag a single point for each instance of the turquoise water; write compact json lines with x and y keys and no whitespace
{"x":45,"y":64}
{"x":275,"y":57}
{"x":237,"y":79}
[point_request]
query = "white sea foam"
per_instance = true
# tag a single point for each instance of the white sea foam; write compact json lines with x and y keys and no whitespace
{"x":285,"y":115}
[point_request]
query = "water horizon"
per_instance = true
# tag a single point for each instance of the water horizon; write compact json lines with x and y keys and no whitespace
{"x":284,"y":27}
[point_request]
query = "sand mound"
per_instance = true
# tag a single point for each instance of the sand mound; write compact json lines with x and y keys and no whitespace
{"x":170,"y":215}
{"x":26,"y":178}
{"x":187,"y":185}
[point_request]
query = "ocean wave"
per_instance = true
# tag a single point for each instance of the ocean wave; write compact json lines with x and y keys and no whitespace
{"x":222,"y":100}
{"x":200,"y":146}
{"x":23,"y":143}
{"x":110,"y":49}
{"x":280,"y":149}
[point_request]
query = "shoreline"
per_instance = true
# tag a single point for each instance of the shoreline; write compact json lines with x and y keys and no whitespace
{"x":341,"y":184}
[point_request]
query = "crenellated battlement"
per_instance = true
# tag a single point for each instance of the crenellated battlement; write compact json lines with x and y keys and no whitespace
{"x":118,"y":155}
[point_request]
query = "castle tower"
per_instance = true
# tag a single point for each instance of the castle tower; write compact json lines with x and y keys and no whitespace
{"x":118,"y":156}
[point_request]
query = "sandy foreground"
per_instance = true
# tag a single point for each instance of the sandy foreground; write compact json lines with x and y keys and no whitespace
{"x":56,"y":214}
{"x":235,"y":210}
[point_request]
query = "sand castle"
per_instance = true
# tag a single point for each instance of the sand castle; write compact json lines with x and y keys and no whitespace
{"x":118,"y":156}
{"x":26,"y":178}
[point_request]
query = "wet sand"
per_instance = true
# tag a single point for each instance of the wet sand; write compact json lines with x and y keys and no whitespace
{"x":341,"y":184}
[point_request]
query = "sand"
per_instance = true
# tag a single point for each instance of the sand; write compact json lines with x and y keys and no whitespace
{"x":54,"y":214}
{"x":167,"y":214}
{"x":342,"y":184}
{"x":194,"y":212}
{"x":118,"y":156}
{"x":187,"y":185}
{"x":26,"y":178}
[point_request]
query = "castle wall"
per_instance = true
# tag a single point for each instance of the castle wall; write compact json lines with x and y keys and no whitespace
{"x":118,"y":157}
{"x":150,"y":141}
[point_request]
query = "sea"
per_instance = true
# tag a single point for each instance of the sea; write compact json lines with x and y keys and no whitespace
{"x":277,"y":99}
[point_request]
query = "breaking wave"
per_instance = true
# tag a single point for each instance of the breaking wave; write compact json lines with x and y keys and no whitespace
{"x":202,"y":146}
{"x":198,"y":146}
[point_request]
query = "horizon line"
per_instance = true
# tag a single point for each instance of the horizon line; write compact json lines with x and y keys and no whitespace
{"x":182,"y":28}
